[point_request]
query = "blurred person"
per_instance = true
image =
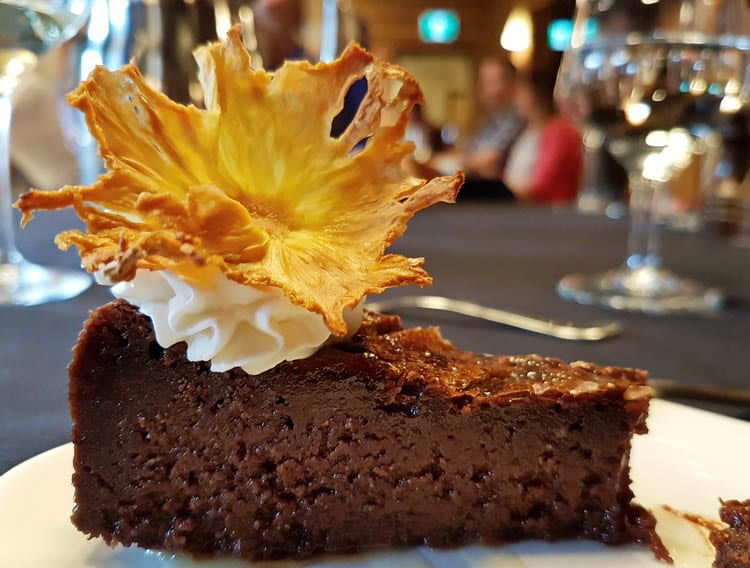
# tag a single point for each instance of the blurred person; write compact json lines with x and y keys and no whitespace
{"x":483,"y":155}
{"x":486,"y":152}
{"x":424,"y":134}
{"x":277,"y":27}
{"x":546,"y":162}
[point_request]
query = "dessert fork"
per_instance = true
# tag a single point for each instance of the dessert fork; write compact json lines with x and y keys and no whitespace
{"x":560,"y":330}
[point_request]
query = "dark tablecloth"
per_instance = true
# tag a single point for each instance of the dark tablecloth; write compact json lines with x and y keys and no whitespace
{"x":495,"y":254}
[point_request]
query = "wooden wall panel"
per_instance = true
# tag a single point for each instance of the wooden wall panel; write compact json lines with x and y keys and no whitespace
{"x":392,"y":31}
{"x":392,"y":25}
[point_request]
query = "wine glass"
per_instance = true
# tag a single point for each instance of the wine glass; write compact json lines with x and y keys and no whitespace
{"x":28,"y":28}
{"x":649,"y":80}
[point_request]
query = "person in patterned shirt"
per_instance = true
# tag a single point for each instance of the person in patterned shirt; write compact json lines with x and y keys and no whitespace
{"x":484,"y":155}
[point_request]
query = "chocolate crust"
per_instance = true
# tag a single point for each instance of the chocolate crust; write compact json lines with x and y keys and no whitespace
{"x":392,"y":438}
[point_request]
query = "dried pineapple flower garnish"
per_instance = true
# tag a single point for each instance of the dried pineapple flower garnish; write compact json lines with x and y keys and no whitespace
{"x":255,"y":184}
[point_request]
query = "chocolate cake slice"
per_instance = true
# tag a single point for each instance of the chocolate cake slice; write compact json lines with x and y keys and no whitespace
{"x":391,"y":438}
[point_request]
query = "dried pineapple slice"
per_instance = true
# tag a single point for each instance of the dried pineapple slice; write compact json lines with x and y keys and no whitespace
{"x":254,"y":184}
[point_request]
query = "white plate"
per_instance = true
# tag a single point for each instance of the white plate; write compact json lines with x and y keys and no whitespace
{"x":689,"y":459}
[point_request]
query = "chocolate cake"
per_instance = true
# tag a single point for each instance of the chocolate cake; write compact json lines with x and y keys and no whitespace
{"x":390,"y":438}
{"x":733,"y":543}
{"x":224,"y":415}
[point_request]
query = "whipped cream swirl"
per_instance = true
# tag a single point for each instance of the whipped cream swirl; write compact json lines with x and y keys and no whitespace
{"x":227,"y":323}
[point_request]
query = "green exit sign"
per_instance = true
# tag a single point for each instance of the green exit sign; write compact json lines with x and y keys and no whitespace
{"x":439,"y":26}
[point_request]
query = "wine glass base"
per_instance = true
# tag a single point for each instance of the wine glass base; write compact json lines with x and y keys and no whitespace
{"x":645,"y":289}
{"x":24,"y":283}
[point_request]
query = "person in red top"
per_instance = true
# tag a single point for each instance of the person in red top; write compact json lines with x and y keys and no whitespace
{"x":546,"y":162}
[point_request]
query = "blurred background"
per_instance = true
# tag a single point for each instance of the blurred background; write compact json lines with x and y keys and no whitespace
{"x":468,"y":56}
{"x":487,"y":69}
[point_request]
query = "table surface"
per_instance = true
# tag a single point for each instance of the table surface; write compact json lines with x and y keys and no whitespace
{"x":498,"y":255}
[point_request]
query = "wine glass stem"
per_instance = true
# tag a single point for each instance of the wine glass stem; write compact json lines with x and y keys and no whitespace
{"x":8,"y":251}
{"x":643,"y":240}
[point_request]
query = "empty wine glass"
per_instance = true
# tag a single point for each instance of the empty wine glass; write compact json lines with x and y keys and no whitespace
{"x":649,"y":79}
{"x":28,"y":28}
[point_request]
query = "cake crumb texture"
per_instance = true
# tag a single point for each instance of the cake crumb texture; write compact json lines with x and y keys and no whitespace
{"x":733,"y":543}
{"x":392,"y":438}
